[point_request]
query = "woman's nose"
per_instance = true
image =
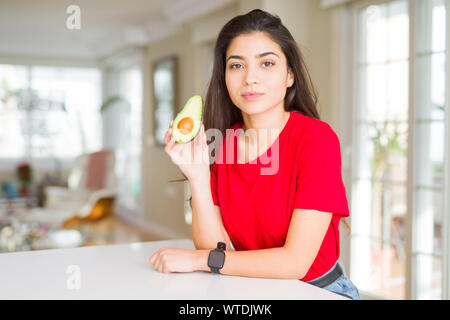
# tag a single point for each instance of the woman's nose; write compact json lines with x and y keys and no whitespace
{"x":251,"y":76}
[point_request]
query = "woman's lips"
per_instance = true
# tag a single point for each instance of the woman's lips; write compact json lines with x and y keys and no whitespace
{"x":252,"y":95}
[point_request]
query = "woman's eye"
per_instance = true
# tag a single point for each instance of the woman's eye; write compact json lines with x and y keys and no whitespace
{"x":235,"y":66}
{"x":268,"y":64}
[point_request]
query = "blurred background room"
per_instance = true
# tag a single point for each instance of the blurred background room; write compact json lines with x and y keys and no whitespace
{"x":89,"y":87}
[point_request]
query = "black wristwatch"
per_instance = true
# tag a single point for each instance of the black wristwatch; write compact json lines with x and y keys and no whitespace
{"x":216,"y":257}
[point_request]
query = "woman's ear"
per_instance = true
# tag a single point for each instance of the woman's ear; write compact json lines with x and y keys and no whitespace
{"x":290,"y":78}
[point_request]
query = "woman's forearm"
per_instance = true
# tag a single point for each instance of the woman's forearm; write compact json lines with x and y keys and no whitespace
{"x":264,"y":263}
{"x":207,"y":225}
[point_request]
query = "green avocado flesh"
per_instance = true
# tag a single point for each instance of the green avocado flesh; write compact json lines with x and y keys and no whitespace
{"x":188,"y":121}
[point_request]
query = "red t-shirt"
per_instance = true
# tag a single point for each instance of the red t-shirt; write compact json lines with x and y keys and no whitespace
{"x":256,"y":208}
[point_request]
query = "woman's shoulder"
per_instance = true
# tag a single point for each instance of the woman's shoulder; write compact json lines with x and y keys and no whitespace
{"x":309,"y":125}
{"x":312,"y":131}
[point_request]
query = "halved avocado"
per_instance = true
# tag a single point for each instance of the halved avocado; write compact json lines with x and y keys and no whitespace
{"x":188,"y":121}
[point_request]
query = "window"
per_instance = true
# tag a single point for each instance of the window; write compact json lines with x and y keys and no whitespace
{"x":164,"y":89}
{"x":44,"y":110}
{"x":429,"y":142}
{"x":398,"y":128}
{"x":14,"y":79}
{"x":129,"y":149}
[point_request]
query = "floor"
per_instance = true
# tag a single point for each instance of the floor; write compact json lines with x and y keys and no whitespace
{"x":111,"y":230}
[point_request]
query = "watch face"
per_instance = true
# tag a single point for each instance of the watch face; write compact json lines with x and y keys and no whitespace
{"x":216,"y":259}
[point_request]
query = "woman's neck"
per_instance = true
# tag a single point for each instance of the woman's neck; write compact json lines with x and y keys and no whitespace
{"x":256,"y":125}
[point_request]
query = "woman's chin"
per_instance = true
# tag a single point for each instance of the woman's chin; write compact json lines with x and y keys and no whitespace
{"x":253,"y":108}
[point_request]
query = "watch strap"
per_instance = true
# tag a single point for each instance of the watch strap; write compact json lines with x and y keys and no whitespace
{"x":215,"y":270}
{"x":221,"y":246}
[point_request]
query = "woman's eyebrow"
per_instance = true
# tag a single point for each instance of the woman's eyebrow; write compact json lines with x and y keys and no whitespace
{"x":266,"y":54}
{"x":257,"y":56}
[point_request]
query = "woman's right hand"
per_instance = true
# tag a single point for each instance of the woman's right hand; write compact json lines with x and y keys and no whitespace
{"x":192,"y":157}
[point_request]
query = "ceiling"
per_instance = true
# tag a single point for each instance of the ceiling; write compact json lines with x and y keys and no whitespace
{"x":38,"y":27}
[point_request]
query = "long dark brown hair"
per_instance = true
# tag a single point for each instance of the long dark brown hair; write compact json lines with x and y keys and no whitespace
{"x":219,"y":111}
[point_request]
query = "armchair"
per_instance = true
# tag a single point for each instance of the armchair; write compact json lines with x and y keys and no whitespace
{"x":92,"y":188}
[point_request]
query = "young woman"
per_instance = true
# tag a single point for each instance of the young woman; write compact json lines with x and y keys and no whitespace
{"x":282,"y":223}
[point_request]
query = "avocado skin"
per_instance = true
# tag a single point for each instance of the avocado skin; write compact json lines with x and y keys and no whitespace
{"x":194,"y":109}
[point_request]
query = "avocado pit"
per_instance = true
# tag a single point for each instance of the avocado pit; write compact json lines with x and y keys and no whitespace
{"x":186,"y":125}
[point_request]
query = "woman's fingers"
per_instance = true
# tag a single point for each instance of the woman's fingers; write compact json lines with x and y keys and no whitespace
{"x":199,"y":138}
{"x":153,"y":258}
{"x":202,"y":137}
{"x":203,"y":132}
{"x":168,"y":136}
{"x":169,"y":146}
{"x":196,"y":141}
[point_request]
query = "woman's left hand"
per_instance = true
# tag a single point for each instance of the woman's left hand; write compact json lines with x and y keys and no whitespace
{"x":168,"y":260}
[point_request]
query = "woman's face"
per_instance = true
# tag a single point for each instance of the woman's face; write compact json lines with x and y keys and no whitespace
{"x":256,"y":73}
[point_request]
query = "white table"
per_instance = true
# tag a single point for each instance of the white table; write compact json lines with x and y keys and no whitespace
{"x":124,"y":272}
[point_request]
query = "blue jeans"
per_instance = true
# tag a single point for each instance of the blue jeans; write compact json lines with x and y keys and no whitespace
{"x":342,"y":286}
